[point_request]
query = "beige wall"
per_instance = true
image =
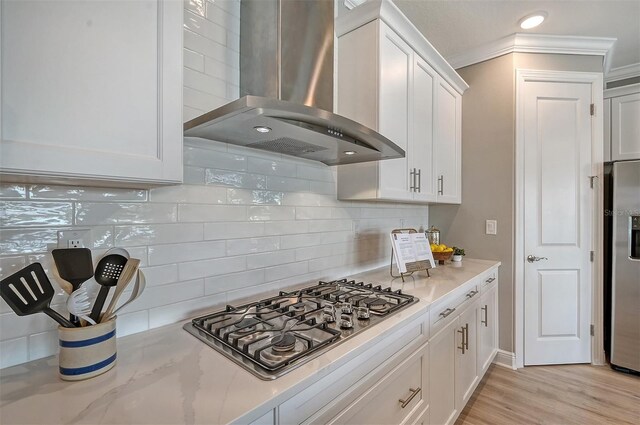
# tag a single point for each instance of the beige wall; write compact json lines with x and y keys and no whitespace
{"x":488,"y":166}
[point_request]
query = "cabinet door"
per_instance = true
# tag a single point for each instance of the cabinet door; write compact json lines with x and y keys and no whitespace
{"x":421,"y":136}
{"x":487,"y":328}
{"x":466,"y":359}
{"x":448,"y":143}
{"x":395,"y":62}
{"x":625,"y":127}
{"x":92,"y":90}
{"x":441,"y":375}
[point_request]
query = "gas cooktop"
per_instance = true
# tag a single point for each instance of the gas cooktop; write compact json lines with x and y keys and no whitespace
{"x":273,"y":336}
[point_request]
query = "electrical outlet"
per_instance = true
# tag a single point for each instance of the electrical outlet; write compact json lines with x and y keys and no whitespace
{"x":76,"y":238}
{"x":491,"y":227}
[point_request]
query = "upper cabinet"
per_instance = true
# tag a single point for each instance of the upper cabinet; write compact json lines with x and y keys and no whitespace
{"x":92,"y":92}
{"x":391,"y":79}
{"x":622,"y":132}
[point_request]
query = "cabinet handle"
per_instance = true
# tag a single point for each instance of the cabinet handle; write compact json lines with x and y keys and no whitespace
{"x":419,"y":180}
{"x":462,"y":346}
{"x":405,"y":403}
{"x":447,"y":312}
{"x":441,"y":185}
{"x":486,"y":316}
{"x":412,"y":179}
{"x":491,"y":279}
{"x":472,"y":294}
{"x":466,"y":336}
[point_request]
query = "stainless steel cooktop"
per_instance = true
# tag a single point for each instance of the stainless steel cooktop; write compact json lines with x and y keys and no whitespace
{"x":273,"y":336}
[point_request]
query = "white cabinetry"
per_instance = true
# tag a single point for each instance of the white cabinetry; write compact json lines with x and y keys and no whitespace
{"x":92,"y":91}
{"x":488,"y":325}
{"x":466,"y":355}
{"x":391,"y":79}
{"x":624,"y":118}
{"x":448,"y":149}
{"x":441,"y":375}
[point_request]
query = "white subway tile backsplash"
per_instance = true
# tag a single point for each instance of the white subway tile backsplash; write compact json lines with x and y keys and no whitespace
{"x":43,"y":344}
{"x":12,"y":191}
{"x":206,"y":268}
{"x":252,"y":245}
{"x":289,"y":227}
{"x":180,"y":252}
{"x":271,"y":167}
{"x":70,"y":193}
{"x":27,"y":213}
{"x":14,"y":351}
{"x":268,"y":259}
{"x":157,"y":234}
{"x":287,"y":184}
{"x":234,"y":281}
{"x":245,"y":222}
{"x":213,"y":231}
{"x":312,"y":213}
{"x":202,"y":213}
{"x":249,"y":197}
{"x":189,"y":194}
{"x":267,"y":213}
{"x":203,"y":157}
{"x":88,"y":213}
{"x":235,"y":179}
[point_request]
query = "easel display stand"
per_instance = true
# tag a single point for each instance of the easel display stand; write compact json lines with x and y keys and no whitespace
{"x":418,"y":257}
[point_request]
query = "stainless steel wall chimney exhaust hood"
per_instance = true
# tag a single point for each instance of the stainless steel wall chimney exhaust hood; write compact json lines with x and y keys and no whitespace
{"x":286,"y":80}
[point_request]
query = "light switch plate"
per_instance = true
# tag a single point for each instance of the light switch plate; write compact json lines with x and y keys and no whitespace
{"x":491,"y":227}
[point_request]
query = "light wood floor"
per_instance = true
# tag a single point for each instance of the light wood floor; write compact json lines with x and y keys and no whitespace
{"x":571,"y":394}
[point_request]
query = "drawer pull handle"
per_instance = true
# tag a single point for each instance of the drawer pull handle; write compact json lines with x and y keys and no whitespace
{"x":472,"y":294}
{"x":491,"y":279}
{"x":485,"y":320}
{"x":405,"y":403}
{"x":447,"y":312}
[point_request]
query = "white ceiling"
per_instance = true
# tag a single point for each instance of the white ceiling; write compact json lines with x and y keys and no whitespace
{"x":458,"y":26}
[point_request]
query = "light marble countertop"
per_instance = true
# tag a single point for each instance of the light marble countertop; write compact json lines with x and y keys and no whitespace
{"x":166,"y":376}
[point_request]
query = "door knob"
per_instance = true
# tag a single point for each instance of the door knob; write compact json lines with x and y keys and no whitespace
{"x":532,"y":258}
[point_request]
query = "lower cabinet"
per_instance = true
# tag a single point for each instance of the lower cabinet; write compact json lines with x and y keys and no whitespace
{"x":487,"y":328}
{"x":442,"y":367}
{"x":401,"y":397}
{"x":466,"y":336}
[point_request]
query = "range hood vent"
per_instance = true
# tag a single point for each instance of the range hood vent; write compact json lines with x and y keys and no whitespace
{"x":286,"y":80}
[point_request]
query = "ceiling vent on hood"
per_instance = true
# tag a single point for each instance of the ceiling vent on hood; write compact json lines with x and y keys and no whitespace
{"x":286,"y":80}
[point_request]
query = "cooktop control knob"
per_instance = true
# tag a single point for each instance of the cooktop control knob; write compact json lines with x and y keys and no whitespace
{"x":346,"y":308}
{"x":362,"y":313}
{"x":329,"y":314}
{"x":346,"y":322}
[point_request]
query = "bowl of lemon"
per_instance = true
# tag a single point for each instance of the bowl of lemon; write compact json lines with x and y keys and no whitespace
{"x":441,"y":253}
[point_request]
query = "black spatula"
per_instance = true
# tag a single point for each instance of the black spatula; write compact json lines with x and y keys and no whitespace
{"x":107,"y":273}
{"x":29,"y":291}
{"x":74,"y":265}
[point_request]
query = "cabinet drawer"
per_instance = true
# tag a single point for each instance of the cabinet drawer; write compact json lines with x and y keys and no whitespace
{"x":402,"y":395}
{"x":446,"y":310}
{"x":488,"y":279}
{"x":343,"y":386}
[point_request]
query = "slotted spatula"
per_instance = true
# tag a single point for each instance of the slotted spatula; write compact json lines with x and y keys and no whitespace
{"x":107,"y":273}
{"x":29,"y":291}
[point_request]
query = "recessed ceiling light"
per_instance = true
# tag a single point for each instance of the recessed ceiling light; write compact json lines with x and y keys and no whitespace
{"x":533,"y":20}
{"x":349,"y":152}
{"x":262,"y":129}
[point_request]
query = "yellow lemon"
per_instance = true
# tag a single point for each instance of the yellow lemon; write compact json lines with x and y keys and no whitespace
{"x":448,"y":250}
{"x":442,"y":247}
{"x":433,"y":247}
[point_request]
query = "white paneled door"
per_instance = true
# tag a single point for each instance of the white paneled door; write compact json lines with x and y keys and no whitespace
{"x":557,"y":222}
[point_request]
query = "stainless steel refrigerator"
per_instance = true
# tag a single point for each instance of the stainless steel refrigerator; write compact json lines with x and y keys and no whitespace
{"x":624,"y":265}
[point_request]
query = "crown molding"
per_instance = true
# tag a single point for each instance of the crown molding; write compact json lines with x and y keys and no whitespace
{"x":537,"y":43}
{"x":623,"y":72}
{"x":350,"y":4}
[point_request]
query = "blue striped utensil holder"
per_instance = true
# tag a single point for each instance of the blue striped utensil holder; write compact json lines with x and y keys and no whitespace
{"x":88,"y":351}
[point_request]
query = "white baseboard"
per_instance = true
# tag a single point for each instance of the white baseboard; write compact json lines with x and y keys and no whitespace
{"x":505,"y":359}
